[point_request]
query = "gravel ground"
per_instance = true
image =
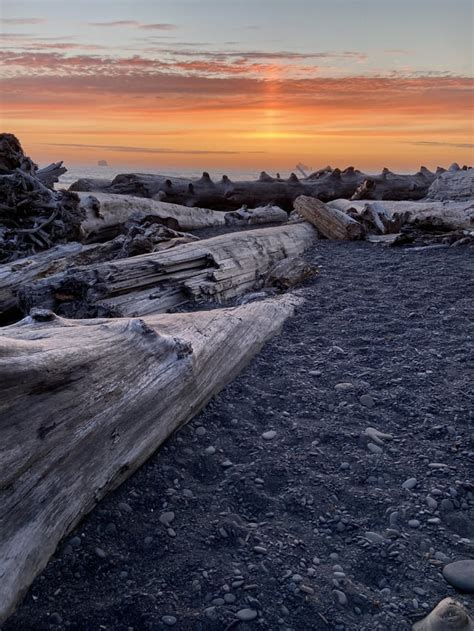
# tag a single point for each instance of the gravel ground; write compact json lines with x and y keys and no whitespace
{"x":276,"y":507}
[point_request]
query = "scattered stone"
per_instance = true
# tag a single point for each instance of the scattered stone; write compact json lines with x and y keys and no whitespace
{"x":344,"y":387}
{"x":374,"y":537}
{"x":100,"y":553}
{"x":75,"y":542}
{"x":210,"y":451}
{"x":167,"y":518}
{"x":431,"y":502}
{"x":260,"y":550}
{"x":410,"y":484}
{"x":169,"y":621}
{"x":200,"y":431}
{"x":460,"y":575}
{"x":229,"y":598}
{"x":55,"y":618}
{"x":414,"y":523}
{"x":226,"y":464}
{"x":270,"y":435}
{"x":246,"y":615}
{"x":340,"y":597}
{"x":446,"y":506}
{"x":375,"y":449}
{"x":367,"y":401}
{"x":125,"y":508}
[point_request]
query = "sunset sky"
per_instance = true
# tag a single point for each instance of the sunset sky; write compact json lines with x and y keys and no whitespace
{"x":239,"y":84}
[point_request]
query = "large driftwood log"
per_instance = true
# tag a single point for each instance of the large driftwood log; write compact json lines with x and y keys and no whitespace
{"x":106,"y":215}
{"x":330,"y":222}
{"x":215,"y":269}
{"x":76,"y":419}
{"x":456,"y":215}
{"x":226,"y":194}
{"x":455,"y":184}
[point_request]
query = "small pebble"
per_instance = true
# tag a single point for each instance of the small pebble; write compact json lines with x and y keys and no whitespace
{"x":340,"y":597}
{"x":375,"y":449}
{"x":410,"y":484}
{"x":270,"y":435}
{"x":170,"y":621}
{"x":246,"y":615}
{"x":167,"y":518}
{"x":367,"y":401}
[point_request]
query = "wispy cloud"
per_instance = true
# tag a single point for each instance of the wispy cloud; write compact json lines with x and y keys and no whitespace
{"x":436,"y":143}
{"x":20,"y":21}
{"x":154,"y":26}
{"x":124,"y":149}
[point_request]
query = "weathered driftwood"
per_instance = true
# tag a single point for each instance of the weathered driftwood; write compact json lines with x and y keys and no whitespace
{"x":216,"y":269}
{"x":33,"y":217}
{"x":256,"y":216}
{"x":289,"y":272}
{"x":448,"y":615}
{"x":140,"y":239}
{"x":456,"y":184}
{"x":330,"y":222}
{"x":76,"y":419}
{"x":444,"y":215}
{"x":106,"y":215}
{"x":226,"y":194}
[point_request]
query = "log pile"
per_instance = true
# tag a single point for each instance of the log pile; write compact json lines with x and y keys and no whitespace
{"x":90,"y":419}
{"x":455,"y":184}
{"x":33,"y":216}
{"x":330,"y":222}
{"x":226,"y":194}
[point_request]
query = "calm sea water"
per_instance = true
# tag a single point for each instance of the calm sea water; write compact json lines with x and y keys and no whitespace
{"x":109,"y":172}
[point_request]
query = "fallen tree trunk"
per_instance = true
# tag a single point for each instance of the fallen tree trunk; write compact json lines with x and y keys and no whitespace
{"x":330,"y":222}
{"x":448,"y":215}
{"x":106,"y":215}
{"x":455,"y":184}
{"x":76,"y":419}
{"x":215,"y":269}
{"x":226,"y":194}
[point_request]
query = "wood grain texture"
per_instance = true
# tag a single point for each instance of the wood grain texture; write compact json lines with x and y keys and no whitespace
{"x":330,"y":222}
{"x":216,"y":269}
{"x":84,"y":403}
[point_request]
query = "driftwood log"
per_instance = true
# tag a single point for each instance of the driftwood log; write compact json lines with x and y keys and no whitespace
{"x":456,"y":215}
{"x":106,"y":215}
{"x":139,"y":239}
{"x":289,"y":272}
{"x":216,"y":269}
{"x":330,"y":222}
{"x":226,"y":194}
{"x":76,"y":419}
{"x":448,"y":615}
{"x":455,"y":184}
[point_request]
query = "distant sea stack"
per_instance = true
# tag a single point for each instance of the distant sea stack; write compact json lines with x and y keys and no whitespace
{"x":102,"y":163}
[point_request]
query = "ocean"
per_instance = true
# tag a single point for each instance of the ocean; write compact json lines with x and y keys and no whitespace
{"x":108,"y":173}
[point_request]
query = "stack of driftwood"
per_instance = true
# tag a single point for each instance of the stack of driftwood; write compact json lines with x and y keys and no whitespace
{"x":85,"y":400}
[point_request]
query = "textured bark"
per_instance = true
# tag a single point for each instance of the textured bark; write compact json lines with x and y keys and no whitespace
{"x":215,"y":269}
{"x":289,"y":272}
{"x":330,"y":222}
{"x":453,"y":185}
{"x":226,"y":194}
{"x":84,"y":403}
{"x":106,"y":215}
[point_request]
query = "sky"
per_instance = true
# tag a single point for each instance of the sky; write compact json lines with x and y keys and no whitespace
{"x":239,"y":84}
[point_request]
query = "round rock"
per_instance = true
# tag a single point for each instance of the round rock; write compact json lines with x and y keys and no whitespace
{"x":246,"y":615}
{"x":170,"y":621}
{"x":460,"y":575}
{"x":270,"y":435}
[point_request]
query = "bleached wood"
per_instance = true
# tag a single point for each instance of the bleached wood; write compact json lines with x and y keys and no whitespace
{"x":105,"y":219}
{"x":84,"y":403}
{"x":330,"y":222}
{"x":216,"y":269}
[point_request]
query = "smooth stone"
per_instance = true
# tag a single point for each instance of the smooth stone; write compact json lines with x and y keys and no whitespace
{"x":229,"y":598}
{"x":344,"y":387}
{"x":100,"y":553}
{"x":374,"y":537}
{"x":200,"y":431}
{"x":410,"y":484}
{"x":446,"y":505}
{"x":126,"y":508}
{"x":210,"y":450}
{"x":170,"y":621}
{"x":460,"y":575}
{"x":414,"y":523}
{"x":367,"y":401}
{"x":431,"y":502}
{"x":167,"y":518}
{"x":270,"y":435}
{"x":375,"y":449}
{"x":75,"y":542}
{"x":340,"y":597}
{"x":246,"y":615}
